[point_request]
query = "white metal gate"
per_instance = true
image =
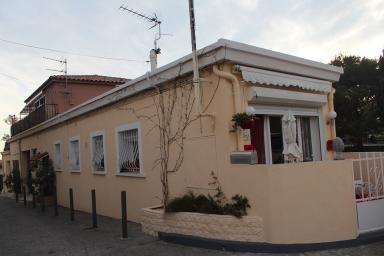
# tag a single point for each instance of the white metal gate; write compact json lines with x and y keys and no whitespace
{"x":368,"y":171}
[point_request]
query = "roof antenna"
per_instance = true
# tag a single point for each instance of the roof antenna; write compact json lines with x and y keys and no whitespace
{"x":155,"y":23}
{"x":62,"y":62}
{"x":63,"y":71}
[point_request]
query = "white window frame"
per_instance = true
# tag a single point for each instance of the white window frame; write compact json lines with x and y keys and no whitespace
{"x":268,"y":110}
{"x":122,"y":128}
{"x":58,"y":142}
{"x":92,"y":135}
{"x":75,"y":138}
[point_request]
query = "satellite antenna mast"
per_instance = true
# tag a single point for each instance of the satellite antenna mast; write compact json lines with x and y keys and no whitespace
{"x":155,"y":23}
{"x":195,"y":64}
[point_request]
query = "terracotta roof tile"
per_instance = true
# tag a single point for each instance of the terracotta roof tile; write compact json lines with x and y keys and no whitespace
{"x":92,"y":78}
{"x":80,"y":78}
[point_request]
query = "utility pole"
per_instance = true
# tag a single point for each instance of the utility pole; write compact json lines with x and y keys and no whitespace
{"x":195,"y":65}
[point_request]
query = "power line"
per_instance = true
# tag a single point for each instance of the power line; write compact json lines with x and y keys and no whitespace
{"x":69,"y":53}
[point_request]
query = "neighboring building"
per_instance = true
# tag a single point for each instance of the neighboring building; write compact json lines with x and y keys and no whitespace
{"x":109,"y":143}
{"x":60,"y":93}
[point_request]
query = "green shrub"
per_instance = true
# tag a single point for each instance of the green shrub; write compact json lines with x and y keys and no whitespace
{"x":44,"y":181}
{"x":207,"y":204}
{"x":217,"y":204}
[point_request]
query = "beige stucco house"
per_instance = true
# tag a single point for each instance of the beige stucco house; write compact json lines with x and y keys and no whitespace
{"x":110,"y":143}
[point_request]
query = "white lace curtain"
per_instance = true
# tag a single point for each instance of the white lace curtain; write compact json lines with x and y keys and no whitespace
{"x":75,"y":155}
{"x":98,"y":153}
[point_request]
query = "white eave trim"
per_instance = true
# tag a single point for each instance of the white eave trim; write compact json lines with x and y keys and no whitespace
{"x":260,"y":76}
{"x":222,"y":50}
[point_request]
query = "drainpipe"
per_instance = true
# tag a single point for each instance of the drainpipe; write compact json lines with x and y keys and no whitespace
{"x":236,"y":95}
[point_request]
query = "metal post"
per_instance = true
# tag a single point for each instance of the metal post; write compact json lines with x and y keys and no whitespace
{"x":94,"y":215}
{"x":33,"y":200}
{"x":17,"y":197}
{"x":55,"y":201}
{"x":42,"y":201}
{"x":72,"y":211}
{"x":124,"y":214}
{"x":25,"y":196}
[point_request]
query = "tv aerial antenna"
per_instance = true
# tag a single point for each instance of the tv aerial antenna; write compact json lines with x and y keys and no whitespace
{"x":155,"y":22}
{"x":63,"y":71}
{"x":62,"y":62}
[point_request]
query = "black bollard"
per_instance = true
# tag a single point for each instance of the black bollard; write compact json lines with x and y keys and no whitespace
{"x":124,"y":214}
{"x":33,"y":200}
{"x":72,"y":211}
{"x":25,"y":196}
{"x":94,"y":215}
{"x":42,"y":201}
{"x":17,"y":197}
{"x":55,"y":202}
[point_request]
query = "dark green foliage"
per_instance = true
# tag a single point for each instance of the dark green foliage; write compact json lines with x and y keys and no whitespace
{"x":44,"y":182}
{"x":207,"y":204}
{"x":359,"y":98}
{"x":218,"y":204}
{"x":239,"y":117}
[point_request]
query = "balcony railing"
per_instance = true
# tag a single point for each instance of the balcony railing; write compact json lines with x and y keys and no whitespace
{"x":34,"y":118}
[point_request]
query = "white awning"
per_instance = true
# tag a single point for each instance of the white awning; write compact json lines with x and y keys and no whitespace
{"x":260,"y":76}
{"x":260,"y":95}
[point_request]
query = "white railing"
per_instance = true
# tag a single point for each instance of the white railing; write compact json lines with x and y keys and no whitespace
{"x":368,"y":170}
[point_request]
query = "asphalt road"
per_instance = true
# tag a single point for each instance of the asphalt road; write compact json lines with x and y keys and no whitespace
{"x":28,"y":231}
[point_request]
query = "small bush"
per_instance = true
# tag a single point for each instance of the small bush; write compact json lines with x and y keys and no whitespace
{"x":207,"y":204}
{"x":217,"y":204}
{"x":43,"y":183}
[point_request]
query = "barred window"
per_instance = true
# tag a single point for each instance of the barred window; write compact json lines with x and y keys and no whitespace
{"x":98,"y":163}
{"x":57,"y":155}
{"x":74,"y":154}
{"x":128,"y":150}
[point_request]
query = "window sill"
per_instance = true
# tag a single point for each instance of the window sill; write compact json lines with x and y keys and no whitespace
{"x":139,"y":175}
{"x":58,"y":170}
{"x":75,"y":171}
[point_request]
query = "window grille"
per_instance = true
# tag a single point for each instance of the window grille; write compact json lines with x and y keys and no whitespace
{"x":74,"y":156}
{"x":129,"y":151}
{"x":57,"y":162}
{"x":98,"y":153}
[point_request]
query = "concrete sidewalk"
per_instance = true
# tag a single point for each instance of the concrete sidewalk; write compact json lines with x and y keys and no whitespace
{"x":28,"y":231}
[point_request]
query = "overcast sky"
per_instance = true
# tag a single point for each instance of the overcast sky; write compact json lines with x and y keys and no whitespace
{"x":312,"y":29}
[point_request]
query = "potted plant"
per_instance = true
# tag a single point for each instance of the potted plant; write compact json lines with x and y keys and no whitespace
{"x":243,"y":120}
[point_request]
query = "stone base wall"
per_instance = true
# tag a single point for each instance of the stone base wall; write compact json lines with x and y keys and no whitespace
{"x":222,"y":227}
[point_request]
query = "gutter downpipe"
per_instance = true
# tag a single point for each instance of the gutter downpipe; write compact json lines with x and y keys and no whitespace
{"x":236,"y":95}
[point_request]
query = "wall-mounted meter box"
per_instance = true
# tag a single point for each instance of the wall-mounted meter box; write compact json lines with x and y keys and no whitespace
{"x":244,"y":157}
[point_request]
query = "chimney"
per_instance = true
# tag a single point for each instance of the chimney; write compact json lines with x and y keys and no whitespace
{"x":153,"y":59}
